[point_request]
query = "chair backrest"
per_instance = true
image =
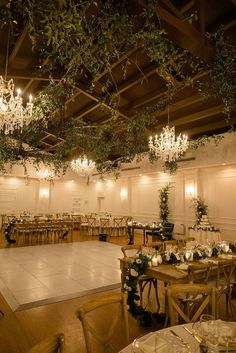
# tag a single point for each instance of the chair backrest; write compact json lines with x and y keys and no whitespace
{"x":169,"y":227}
{"x":101,"y":331}
{"x":52,"y":344}
{"x":156,"y":245}
{"x":131,"y":250}
{"x":225,"y":273}
{"x":199,"y":273}
{"x":91,"y":221}
{"x":104,"y":222}
{"x":118,"y":222}
{"x":187,"y":302}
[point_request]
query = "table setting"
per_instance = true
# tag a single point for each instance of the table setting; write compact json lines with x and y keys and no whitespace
{"x":204,"y":336}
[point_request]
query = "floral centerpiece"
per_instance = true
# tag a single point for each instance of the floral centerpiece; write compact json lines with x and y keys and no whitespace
{"x":152,"y":257}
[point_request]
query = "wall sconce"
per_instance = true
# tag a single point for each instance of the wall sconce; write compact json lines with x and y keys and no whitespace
{"x":190,"y":191}
{"x":44,"y":193}
{"x":123,"y":194}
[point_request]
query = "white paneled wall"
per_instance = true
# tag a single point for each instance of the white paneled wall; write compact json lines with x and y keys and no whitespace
{"x":211,"y":174}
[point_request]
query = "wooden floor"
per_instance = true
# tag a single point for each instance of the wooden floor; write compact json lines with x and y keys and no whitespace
{"x":21,"y":330}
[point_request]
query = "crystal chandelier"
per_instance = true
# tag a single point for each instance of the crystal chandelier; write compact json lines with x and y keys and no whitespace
{"x":45,"y":174}
{"x":167,"y":146}
{"x":13,"y":114}
{"x":82,"y":165}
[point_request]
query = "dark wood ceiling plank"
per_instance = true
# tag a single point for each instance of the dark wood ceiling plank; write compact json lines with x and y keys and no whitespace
{"x":147,"y":98}
{"x":18,"y":44}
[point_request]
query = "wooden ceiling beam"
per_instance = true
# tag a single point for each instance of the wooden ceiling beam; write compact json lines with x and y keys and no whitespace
{"x":229,"y":25}
{"x":135,"y":79}
{"x":189,"y":37}
{"x":210,"y":127}
{"x":155,"y":94}
{"x":18,"y":44}
{"x":174,"y":9}
{"x":196,"y":116}
{"x":183,"y":103}
{"x":84,"y":90}
{"x":116,"y":63}
{"x":87,"y":110}
{"x":201,"y":15}
{"x":27,"y":75}
{"x":187,"y":7}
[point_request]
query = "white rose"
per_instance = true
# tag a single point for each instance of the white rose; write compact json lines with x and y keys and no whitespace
{"x":167,"y":257}
{"x":127,"y":277}
{"x":159,"y":259}
{"x":138,"y":261}
{"x":133,"y":272}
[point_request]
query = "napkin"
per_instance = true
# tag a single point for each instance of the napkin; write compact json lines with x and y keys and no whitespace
{"x":182,"y":267}
{"x":153,"y":343}
{"x":226,"y":256}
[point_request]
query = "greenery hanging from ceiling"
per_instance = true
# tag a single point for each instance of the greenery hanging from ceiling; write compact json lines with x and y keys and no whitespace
{"x":83,"y":39}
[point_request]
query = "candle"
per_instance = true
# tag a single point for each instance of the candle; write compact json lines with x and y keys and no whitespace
{"x":154,"y":261}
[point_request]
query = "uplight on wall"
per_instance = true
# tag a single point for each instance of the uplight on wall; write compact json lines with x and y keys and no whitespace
{"x":44,"y":193}
{"x":123,"y":194}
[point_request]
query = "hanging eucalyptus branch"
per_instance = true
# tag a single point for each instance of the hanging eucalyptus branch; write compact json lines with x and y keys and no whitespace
{"x":85,"y":44}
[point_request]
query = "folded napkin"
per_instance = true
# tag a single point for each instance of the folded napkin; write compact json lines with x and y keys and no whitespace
{"x":209,"y":261}
{"x":226,"y":256}
{"x":153,"y":343}
{"x":182,"y":267}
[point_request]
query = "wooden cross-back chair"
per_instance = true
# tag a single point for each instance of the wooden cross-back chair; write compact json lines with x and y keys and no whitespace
{"x":52,"y":344}
{"x":199,"y":273}
{"x":224,"y":283}
{"x":202,"y":297}
{"x":143,"y":280}
{"x":105,"y":226}
{"x":118,"y":226}
{"x":92,"y":226}
{"x":99,"y":331}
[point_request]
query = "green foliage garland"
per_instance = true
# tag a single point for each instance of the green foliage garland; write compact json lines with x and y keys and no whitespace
{"x":83,"y":45}
{"x":164,"y":209}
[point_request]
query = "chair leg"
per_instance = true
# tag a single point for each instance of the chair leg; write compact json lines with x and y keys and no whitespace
{"x":156,"y":294}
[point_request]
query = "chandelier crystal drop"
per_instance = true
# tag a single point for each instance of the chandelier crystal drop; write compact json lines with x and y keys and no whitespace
{"x":167,"y":146}
{"x":45,"y":174}
{"x":13,"y":114}
{"x":82,"y":165}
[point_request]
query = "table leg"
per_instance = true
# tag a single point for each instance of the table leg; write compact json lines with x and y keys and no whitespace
{"x":130,"y":235}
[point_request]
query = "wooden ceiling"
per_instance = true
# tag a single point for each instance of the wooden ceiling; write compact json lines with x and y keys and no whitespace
{"x":143,"y":85}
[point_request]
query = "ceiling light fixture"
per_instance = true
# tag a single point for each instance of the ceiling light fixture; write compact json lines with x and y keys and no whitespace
{"x":167,"y":146}
{"x":45,"y":174}
{"x":82,"y":165}
{"x":13,"y":114}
